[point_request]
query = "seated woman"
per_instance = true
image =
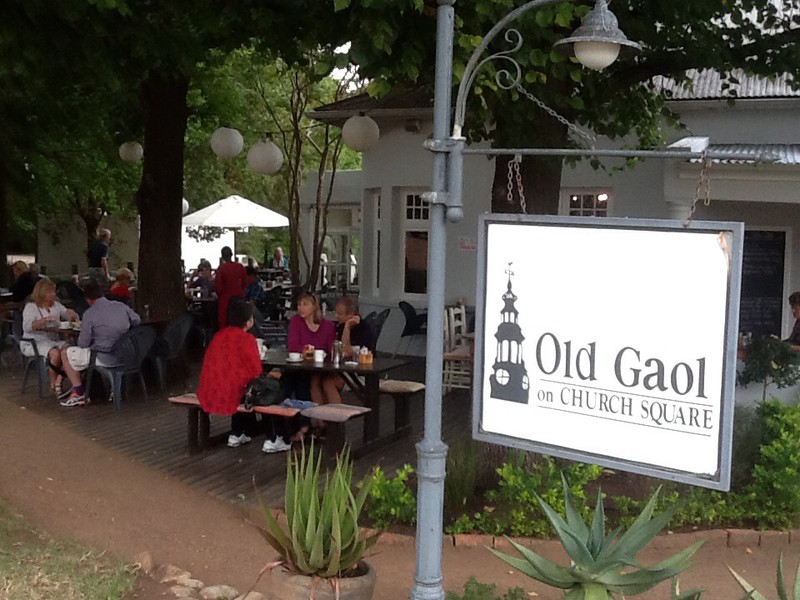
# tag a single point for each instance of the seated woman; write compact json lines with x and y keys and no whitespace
{"x":121,"y":290}
{"x":308,"y":328}
{"x":40,"y":322}
{"x":230,"y":364}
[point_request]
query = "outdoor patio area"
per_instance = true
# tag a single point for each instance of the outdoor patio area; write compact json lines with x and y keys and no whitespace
{"x":154,"y":433}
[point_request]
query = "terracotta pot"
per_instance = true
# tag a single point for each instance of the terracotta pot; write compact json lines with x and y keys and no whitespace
{"x":284,"y":585}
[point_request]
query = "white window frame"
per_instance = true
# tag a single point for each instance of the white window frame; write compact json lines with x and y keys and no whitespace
{"x":409,"y":225}
{"x":567,"y":193}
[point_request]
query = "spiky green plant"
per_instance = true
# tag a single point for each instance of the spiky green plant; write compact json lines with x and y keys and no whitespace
{"x":601,"y":565}
{"x":780,"y":587}
{"x":322,"y":536}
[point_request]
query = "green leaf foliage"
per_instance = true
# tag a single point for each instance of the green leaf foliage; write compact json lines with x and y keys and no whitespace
{"x":322,"y":536}
{"x":391,"y":500}
{"x":601,"y":565}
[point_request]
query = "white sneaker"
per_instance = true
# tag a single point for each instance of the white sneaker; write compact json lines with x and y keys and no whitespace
{"x":238,"y":440}
{"x":278,"y":445}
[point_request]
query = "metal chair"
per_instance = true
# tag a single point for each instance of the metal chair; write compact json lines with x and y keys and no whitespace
{"x":171,"y":345}
{"x":129,"y":352}
{"x":416,"y":324}
{"x":37,"y":360}
{"x":376,"y":322}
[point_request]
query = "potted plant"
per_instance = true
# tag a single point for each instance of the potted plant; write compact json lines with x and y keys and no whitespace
{"x":320,"y":549}
{"x":769,"y":360}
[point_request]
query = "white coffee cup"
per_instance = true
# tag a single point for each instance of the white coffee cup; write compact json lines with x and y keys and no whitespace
{"x":295,"y":356}
{"x":319,"y":356}
{"x":64,"y":325}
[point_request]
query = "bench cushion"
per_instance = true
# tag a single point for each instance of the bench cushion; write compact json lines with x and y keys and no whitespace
{"x":398,"y":386}
{"x":281,"y":411}
{"x":335,"y":413}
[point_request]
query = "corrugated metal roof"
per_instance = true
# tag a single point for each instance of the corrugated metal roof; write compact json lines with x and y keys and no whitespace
{"x":747,"y":154}
{"x":708,"y":84}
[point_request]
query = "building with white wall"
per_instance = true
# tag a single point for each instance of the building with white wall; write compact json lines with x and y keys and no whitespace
{"x":764,"y":121}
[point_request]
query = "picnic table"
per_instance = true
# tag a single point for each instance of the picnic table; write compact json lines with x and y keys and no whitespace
{"x":362,"y":379}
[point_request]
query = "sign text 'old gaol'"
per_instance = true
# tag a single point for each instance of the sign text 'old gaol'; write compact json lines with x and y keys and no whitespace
{"x":611,"y":341}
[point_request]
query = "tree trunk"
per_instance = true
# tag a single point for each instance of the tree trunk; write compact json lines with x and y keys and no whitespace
{"x":160,"y":194}
{"x":541,"y":175}
{"x":5,"y":273}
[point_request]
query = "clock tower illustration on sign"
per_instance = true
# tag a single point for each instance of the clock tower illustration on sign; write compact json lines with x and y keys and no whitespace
{"x":509,"y":381}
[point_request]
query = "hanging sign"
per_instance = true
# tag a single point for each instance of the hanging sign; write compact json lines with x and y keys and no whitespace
{"x":610,"y":341}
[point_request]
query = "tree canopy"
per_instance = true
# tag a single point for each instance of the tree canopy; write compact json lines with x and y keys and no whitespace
{"x":395,"y":47}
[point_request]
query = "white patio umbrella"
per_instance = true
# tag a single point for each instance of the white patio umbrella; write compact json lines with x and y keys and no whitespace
{"x":235,"y":212}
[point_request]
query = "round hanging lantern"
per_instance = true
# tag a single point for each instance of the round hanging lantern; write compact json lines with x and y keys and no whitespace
{"x":131,"y":152}
{"x":265,"y":157}
{"x":360,"y":133}
{"x":226,"y":142}
{"x":184,"y":206}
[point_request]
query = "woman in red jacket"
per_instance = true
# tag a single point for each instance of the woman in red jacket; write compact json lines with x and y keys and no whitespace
{"x":231,"y":363}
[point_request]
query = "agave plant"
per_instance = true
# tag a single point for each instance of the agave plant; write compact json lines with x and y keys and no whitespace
{"x":601,"y":565}
{"x":322,"y":536}
{"x":753,"y":593}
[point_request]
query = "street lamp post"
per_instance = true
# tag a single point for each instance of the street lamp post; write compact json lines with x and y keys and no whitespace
{"x":601,"y":40}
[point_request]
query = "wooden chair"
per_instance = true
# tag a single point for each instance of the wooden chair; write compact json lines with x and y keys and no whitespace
{"x":457,"y":358}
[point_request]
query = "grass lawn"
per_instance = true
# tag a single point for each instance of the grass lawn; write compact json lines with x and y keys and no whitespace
{"x":34,"y":566}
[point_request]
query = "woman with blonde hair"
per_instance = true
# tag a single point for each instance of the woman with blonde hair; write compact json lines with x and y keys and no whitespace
{"x":40,"y":321}
{"x":309,"y":328}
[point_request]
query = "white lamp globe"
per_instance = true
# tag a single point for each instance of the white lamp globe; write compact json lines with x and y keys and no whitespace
{"x":596,"y":55}
{"x":360,"y":133}
{"x":226,"y":142}
{"x":131,"y":152}
{"x":265,"y":157}
{"x":184,"y":206}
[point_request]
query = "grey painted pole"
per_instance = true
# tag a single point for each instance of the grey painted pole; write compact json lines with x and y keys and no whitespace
{"x":431,"y":451}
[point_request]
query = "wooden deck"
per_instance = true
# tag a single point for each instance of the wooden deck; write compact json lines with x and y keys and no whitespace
{"x":154,"y":433}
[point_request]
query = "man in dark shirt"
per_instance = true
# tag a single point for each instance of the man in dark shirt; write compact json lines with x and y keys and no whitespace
{"x":24,"y":283}
{"x":98,"y":257}
{"x":350,"y":329}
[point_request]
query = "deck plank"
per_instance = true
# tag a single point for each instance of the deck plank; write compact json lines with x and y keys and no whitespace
{"x":154,"y":433}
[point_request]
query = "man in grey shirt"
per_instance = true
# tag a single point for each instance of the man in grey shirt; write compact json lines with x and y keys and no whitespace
{"x":104,"y":322}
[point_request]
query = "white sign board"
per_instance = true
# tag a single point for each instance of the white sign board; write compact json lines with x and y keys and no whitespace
{"x":610,"y":341}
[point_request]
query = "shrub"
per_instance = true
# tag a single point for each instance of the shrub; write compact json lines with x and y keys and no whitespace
{"x":473,"y":590}
{"x":392,"y":500}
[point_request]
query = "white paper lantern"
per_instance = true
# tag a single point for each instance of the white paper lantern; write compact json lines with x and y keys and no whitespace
{"x":184,"y":206}
{"x":265,"y":157}
{"x":131,"y":152}
{"x":227,"y":142}
{"x":360,"y":133}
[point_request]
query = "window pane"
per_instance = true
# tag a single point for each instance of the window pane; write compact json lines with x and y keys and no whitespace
{"x":416,"y":262}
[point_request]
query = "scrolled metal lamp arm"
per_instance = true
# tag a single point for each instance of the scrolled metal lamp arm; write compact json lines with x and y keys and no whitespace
{"x":475,"y":63}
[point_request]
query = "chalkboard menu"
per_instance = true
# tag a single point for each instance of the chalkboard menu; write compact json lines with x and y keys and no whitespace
{"x":760,"y":310}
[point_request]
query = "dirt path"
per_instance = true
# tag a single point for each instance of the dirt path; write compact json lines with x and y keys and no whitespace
{"x":71,"y":486}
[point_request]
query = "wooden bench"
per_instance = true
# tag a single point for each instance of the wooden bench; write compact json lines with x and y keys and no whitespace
{"x":401,"y":392}
{"x":334,"y":415}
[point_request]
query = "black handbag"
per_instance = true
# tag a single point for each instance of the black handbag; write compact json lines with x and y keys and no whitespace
{"x":263,"y":391}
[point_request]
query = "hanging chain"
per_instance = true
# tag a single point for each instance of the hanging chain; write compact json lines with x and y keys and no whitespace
{"x":703,"y":189}
{"x":515,"y":176}
{"x":588,"y":137}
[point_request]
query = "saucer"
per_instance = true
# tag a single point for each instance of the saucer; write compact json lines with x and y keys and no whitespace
{"x":294,"y":360}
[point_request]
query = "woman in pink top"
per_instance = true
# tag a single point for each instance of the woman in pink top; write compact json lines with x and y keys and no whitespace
{"x":308,"y":328}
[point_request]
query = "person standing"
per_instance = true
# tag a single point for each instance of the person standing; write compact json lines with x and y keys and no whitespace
{"x":794,"y":337}
{"x":98,"y":257}
{"x":229,"y":282}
